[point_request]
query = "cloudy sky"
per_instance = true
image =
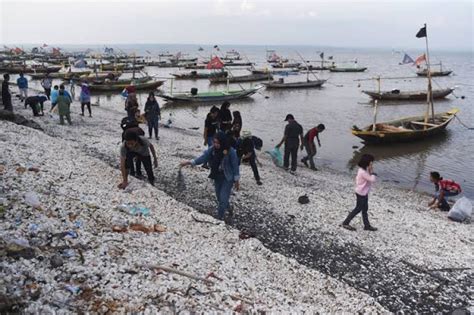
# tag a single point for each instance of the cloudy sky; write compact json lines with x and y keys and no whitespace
{"x":339,"y":23}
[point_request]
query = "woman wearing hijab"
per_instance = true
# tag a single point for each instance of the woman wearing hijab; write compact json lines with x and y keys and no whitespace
{"x":225,"y":117}
{"x":152,"y":115}
{"x":85,"y":98}
{"x":224,"y":166}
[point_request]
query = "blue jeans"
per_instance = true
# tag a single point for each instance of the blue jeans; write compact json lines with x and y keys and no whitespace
{"x":223,"y":189}
{"x":210,"y":141}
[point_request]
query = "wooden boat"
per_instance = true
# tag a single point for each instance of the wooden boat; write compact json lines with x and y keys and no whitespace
{"x":29,"y":69}
{"x":195,"y":66}
{"x":60,"y":75}
{"x":405,"y":129}
{"x":232,"y":63}
{"x":286,"y":65}
{"x":243,"y":78}
{"x":434,"y":73}
{"x":294,"y":85}
{"x":114,"y":86}
{"x":397,"y":95}
{"x":313,"y":67}
{"x":218,"y":96}
{"x":275,"y":72}
{"x":349,"y":69}
{"x":424,"y":73}
{"x":111,"y":75}
{"x":194,"y":75}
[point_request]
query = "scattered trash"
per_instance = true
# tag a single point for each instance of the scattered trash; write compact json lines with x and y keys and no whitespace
{"x":134,"y":210}
{"x":71,"y":234}
{"x":303,"y":199}
{"x":2,"y":169}
{"x":119,"y":229}
{"x":56,"y":261}
{"x":20,"y":169}
{"x":72,"y":288}
{"x":180,"y":184}
{"x":33,"y":228}
{"x":19,"y":248}
{"x":33,"y":169}
{"x":31,"y":199}
{"x":244,"y":235}
{"x":355,"y":146}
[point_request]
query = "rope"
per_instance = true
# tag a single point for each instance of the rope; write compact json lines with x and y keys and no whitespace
{"x":463,"y":124}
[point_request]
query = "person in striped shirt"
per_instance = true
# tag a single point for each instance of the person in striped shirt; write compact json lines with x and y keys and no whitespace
{"x":444,"y":188}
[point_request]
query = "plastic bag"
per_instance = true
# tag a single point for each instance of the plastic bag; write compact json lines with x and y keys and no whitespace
{"x":461,"y":211}
{"x":276,"y":156}
{"x":31,"y":199}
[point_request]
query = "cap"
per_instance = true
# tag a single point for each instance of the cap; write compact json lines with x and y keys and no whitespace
{"x":246,"y":134}
{"x":289,"y":116}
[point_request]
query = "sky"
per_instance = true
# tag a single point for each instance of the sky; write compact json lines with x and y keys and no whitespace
{"x":336,"y":23}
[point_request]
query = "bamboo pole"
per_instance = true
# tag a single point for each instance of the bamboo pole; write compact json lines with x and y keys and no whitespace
{"x":375,"y":115}
{"x":429,"y":95}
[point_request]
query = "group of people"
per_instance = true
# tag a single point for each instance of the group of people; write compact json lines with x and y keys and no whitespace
{"x":58,"y":95}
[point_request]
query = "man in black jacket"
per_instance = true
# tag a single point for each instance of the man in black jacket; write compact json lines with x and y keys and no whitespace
{"x":292,"y":139}
{"x":6,"y":96}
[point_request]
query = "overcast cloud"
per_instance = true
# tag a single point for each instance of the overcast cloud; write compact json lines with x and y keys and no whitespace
{"x":332,"y":23}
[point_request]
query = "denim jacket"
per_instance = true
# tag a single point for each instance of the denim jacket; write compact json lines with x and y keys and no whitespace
{"x":230,"y":163}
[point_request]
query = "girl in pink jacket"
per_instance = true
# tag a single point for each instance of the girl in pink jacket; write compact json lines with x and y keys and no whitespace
{"x":364,"y":179}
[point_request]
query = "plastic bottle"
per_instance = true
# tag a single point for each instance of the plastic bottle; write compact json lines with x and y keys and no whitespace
{"x":31,"y":199}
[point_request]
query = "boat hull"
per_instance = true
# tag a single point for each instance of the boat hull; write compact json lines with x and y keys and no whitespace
{"x":119,"y":87}
{"x":294,"y":85}
{"x":398,"y":133}
{"x":210,"y":97}
{"x":347,"y":69}
{"x":434,"y":73}
{"x":408,"y":96}
{"x":245,"y":78}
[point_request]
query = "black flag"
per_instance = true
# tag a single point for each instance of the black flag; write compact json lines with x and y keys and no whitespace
{"x":422,"y":32}
{"x":321,"y":55}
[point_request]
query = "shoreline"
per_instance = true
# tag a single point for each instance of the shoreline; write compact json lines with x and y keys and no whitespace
{"x":391,"y":265}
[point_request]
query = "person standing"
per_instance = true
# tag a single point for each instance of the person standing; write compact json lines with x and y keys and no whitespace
{"x":211,"y":125}
{"x":136,"y":147}
{"x":225,"y":117}
{"x":291,"y":138}
{"x":46,"y":83}
{"x":54,"y":96}
{"x":364,"y":179}
{"x":237,"y":123}
{"x":64,"y":106}
{"x":22,"y":83}
{"x":6,"y":95}
{"x":308,"y":142}
{"x":224,"y":170}
{"x":152,"y":115}
{"x":444,"y":188}
{"x":85,"y":99}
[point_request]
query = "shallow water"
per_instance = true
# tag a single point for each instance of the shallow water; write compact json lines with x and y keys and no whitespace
{"x":340,"y":105}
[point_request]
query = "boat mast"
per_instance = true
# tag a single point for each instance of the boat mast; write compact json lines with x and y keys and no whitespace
{"x":429,"y":95}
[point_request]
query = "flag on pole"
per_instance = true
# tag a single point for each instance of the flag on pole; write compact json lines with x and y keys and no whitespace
{"x":407,"y":59}
{"x":422,"y":32}
{"x":420,"y":59}
{"x":321,"y":55}
{"x":330,"y":57}
{"x":178,"y":55}
{"x":215,"y":63}
{"x":44,"y":45}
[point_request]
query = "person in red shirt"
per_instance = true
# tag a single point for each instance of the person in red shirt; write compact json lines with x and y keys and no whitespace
{"x":308,"y":142}
{"x":444,"y":188}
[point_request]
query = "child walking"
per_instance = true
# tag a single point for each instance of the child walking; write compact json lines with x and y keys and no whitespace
{"x":364,"y":179}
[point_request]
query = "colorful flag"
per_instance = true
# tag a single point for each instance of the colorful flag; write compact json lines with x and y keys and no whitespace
{"x":422,"y":32}
{"x":178,"y":55}
{"x":56,"y":51}
{"x":215,"y":63}
{"x":17,"y":50}
{"x":420,"y":59}
{"x":274,"y":58}
{"x":407,"y":59}
{"x":44,"y":45}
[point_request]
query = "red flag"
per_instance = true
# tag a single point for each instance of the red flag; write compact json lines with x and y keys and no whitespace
{"x":420,"y":59}
{"x":44,"y":45}
{"x":56,"y":51}
{"x":215,"y":63}
{"x":18,"y":50}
